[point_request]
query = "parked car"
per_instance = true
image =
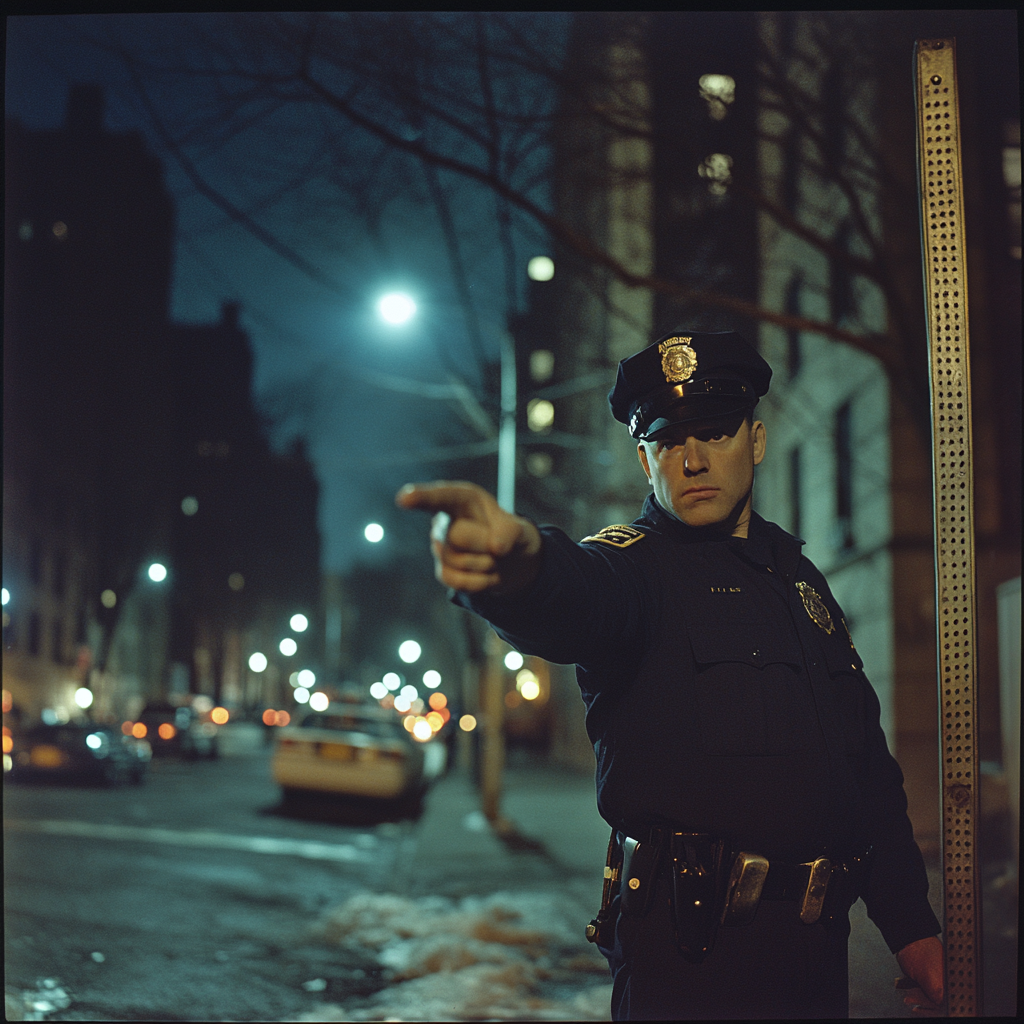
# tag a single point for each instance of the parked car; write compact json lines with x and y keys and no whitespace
{"x":355,"y":750}
{"x":178,"y":729}
{"x":79,"y":752}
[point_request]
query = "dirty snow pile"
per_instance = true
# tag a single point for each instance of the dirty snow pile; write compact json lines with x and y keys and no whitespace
{"x":509,"y":956}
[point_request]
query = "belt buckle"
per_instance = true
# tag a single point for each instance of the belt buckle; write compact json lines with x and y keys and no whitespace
{"x":814,"y":895}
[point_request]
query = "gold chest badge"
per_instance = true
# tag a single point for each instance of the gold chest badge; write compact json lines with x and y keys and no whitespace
{"x":617,"y":536}
{"x":678,"y":360}
{"x":815,"y":607}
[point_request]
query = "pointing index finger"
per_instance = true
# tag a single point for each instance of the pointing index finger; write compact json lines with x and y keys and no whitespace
{"x":454,"y":498}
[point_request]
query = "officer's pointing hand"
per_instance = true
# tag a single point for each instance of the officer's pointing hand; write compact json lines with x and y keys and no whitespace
{"x":477,"y":545}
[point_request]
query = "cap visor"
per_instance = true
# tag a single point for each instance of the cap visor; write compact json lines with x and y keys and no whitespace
{"x":694,"y":409}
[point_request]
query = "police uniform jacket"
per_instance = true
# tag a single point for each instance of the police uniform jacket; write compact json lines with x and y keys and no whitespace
{"x":724,"y":695}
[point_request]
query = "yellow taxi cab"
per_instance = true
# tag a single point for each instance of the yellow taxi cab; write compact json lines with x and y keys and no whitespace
{"x":360,"y":750}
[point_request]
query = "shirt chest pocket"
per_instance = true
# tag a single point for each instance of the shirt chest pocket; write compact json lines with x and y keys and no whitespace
{"x":749,"y":693}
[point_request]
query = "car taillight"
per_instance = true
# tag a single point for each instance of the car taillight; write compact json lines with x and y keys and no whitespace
{"x":167,"y":731}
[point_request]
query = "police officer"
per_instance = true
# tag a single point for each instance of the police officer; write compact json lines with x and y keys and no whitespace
{"x":740,"y":759}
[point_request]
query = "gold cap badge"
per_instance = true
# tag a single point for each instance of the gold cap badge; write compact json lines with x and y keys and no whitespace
{"x":678,"y":360}
{"x":815,"y":607}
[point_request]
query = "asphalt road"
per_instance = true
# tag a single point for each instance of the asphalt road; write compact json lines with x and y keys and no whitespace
{"x":191,"y":897}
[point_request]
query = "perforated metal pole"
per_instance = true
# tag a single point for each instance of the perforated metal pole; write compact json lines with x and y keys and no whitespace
{"x":945,"y":285}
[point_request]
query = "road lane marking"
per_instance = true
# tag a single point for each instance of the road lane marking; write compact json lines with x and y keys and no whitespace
{"x":309,"y":849}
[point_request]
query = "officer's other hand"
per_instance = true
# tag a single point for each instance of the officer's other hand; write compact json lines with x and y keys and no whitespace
{"x":477,"y":545}
{"x":923,"y":962}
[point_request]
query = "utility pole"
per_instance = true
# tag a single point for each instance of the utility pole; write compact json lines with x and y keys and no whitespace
{"x":492,"y":688}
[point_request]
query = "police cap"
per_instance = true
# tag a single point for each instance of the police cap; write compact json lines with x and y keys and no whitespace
{"x":685,"y":376}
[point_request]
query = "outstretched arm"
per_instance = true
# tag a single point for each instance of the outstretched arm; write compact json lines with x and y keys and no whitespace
{"x":477,"y":545}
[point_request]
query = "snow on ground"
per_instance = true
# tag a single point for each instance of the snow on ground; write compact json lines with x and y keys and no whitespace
{"x":509,"y":956}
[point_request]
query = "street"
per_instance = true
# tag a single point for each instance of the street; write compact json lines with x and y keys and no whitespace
{"x":110,"y":891}
{"x":195,"y":897}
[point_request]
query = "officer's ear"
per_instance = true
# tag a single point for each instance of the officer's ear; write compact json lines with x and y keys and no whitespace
{"x":760,"y":441}
{"x":641,"y":450}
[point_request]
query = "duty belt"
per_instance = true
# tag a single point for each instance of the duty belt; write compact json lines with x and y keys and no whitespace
{"x":712,"y":885}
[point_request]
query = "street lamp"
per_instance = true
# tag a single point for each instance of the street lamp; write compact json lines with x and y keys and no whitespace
{"x":396,"y":308}
{"x":374,"y":533}
{"x":409,"y":651}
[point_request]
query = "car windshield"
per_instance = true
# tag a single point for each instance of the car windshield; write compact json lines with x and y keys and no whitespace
{"x":354,"y":723}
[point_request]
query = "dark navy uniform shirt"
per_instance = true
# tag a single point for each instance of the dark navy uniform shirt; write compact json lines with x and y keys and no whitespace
{"x":724,"y":695}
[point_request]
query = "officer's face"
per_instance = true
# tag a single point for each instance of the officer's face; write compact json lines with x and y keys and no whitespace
{"x":703,"y":471}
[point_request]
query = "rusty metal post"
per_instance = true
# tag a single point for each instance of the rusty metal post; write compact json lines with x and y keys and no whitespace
{"x":940,"y":181}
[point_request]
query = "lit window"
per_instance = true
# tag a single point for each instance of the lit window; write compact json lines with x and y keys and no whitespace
{"x":717,"y":168}
{"x":540,"y":415}
{"x":718,"y":91}
{"x":541,"y":268}
{"x":542,"y":364}
{"x":539,"y":463}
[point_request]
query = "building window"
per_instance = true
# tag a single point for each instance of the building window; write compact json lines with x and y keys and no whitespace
{"x":790,"y":191}
{"x":795,"y":493}
{"x":35,"y":633}
{"x":793,"y":353}
{"x":35,"y":560}
{"x":833,"y":114}
{"x":57,"y":641}
{"x":840,"y":288}
{"x":59,"y":574}
{"x":1011,"y":176}
{"x":844,"y":477}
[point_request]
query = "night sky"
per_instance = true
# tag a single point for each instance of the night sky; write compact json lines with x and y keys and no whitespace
{"x":321,"y":350}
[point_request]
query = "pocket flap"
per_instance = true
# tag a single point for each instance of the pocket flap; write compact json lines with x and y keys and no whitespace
{"x":748,"y":643}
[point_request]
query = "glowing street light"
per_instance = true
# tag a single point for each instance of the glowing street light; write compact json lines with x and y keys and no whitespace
{"x":299,"y":623}
{"x":288,"y":646}
{"x":409,"y":651}
{"x":541,"y":268}
{"x":157,"y":572}
{"x":374,"y":533}
{"x":257,"y":661}
{"x":396,"y":308}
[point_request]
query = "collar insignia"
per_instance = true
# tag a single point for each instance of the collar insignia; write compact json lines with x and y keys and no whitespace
{"x":617,"y":536}
{"x":678,"y":360}
{"x":815,"y":607}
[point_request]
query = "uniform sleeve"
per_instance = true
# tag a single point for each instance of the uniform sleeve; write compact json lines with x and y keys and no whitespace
{"x":585,"y":606}
{"x":897,"y":887}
